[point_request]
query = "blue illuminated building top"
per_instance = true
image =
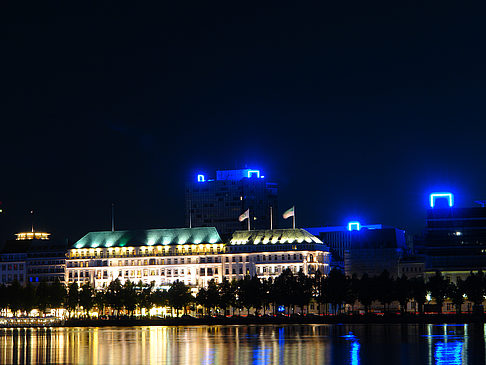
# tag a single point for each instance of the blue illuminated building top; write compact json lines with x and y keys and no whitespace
{"x":351,"y":226}
{"x":443,"y":195}
{"x":235,"y":175}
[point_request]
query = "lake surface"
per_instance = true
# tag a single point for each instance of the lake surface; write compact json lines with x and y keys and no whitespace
{"x":267,"y":344}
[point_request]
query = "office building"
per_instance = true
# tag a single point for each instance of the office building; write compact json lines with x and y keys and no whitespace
{"x":219,"y":201}
{"x":359,"y":249}
{"x":454,"y":240}
{"x":32,"y":257}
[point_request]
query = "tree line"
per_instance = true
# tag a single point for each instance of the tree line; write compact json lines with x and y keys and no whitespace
{"x":289,"y":292}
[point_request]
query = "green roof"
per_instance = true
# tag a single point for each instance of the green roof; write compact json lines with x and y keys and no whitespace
{"x":149,"y":237}
{"x":274,"y":236}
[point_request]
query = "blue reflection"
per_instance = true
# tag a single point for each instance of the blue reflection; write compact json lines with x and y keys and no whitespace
{"x":355,"y":353}
{"x":448,"y":353}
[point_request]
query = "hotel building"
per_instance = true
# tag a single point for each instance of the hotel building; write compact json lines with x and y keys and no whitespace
{"x":192,"y":255}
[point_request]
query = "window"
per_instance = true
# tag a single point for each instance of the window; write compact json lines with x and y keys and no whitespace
{"x":241,"y":270}
{"x":202,"y":271}
{"x":210,"y":271}
{"x":227,"y":271}
{"x":234,"y":271}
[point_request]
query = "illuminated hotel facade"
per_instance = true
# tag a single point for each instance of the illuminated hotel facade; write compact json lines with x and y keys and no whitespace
{"x":192,"y":255}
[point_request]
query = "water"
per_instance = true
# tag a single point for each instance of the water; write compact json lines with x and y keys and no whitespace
{"x":269,"y":344}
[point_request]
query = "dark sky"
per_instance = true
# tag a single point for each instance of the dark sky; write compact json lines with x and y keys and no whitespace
{"x":357,"y":112}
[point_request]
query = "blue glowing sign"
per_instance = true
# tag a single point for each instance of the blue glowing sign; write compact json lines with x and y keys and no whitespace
{"x":201,"y":178}
{"x":281,"y":309}
{"x":435,"y":196}
{"x":354,"y":226}
{"x":252,"y":173}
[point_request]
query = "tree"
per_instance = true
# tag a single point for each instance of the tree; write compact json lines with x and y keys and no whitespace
{"x":160,"y":298}
{"x":283,"y":288}
{"x":456,"y":293}
{"x":57,"y":294}
{"x":114,"y":296}
{"x":366,"y":291}
{"x":100,"y":301}
{"x":72,"y":300}
{"x":419,"y":292}
{"x":179,"y":296}
{"x":28,"y":298}
{"x":129,"y":297}
{"x":438,"y":287}
{"x":145,"y":298}
{"x":474,"y":287}
{"x":245,"y":293}
{"x":384,"y":286}
{"x":42,"y":296}
{"x":303,"y":292}
{"x":227,"y":294}
{"x":14,"y":295}
{"x":334,"y":289}
{"x":86,"y":297}
{"x":402,"y":292}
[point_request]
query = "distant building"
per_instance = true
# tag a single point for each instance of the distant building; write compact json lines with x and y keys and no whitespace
{"x":359,"y":249}
{"x":32,"y":257}
{"x":218,"y":202}
{"x":192,"y":255}
{"x":454,"y":241}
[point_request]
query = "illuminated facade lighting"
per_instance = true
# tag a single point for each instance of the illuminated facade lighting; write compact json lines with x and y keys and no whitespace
{"x":354,"y":226}
{"x":32,"y":236}
{"x":435,"y":196}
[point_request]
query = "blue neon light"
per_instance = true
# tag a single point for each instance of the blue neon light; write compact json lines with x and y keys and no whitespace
{"x":201,"y":178}
{"x":254,"y":172}
{"x":354,"y":226}
{"x":281,"y":309}
{"x":448,"y":196}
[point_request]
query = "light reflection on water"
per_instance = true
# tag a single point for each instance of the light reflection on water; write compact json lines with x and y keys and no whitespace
{"x":269,"y":344}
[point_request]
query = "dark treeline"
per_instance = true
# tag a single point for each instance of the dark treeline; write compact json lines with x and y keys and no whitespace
{"x":290,"y":292}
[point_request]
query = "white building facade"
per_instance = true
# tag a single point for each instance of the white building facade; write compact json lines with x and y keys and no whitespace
{"x":191,"y":255}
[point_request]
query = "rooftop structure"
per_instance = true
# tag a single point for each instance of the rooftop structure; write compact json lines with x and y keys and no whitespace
{"x":149,"y":237}
{"x":272,"y":237}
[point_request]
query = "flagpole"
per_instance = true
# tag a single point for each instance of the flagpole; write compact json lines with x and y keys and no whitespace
{"x":271,"y":218}
{"x":248,"y":219}
{"x":293,"y":218}
{"x":190,"y":214}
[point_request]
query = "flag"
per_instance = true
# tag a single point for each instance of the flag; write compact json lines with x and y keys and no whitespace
{"x":244,"y":216}
{"x":288,"y":213}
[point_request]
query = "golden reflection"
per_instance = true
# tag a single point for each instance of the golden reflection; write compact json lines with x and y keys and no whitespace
{"x":266,"y":344}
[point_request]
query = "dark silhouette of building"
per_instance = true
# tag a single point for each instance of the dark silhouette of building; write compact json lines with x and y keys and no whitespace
{"x":218,"y":202}
{"x":454,"y":240}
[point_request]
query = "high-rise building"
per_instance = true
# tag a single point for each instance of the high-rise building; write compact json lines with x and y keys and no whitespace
{"x":218,"y":202}
{"x":359,"y":249}
{"x":454,"y":240}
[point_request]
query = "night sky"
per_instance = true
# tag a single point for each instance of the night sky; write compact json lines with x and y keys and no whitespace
{"x":357,"y":112}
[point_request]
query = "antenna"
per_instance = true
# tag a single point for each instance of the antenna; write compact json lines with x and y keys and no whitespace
{"x":32,"y":216}
{"x":113,"y":217}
